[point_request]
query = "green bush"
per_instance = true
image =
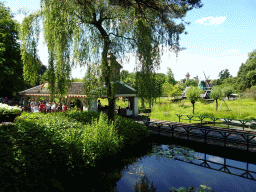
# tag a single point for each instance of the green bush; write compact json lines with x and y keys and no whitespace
{"x":82,"y":116}
{"x":38,"y":139}
{"x":131,"y":131}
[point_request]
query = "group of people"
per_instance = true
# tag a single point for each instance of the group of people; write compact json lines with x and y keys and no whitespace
{"x":5,"y":100}
{"x":44,"y":106}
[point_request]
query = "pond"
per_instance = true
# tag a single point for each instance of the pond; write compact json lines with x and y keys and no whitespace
{"x":166,"y":162}
{"x":170,"y":165}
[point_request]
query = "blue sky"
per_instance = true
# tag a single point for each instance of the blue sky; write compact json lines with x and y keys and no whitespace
{"x":220,"y":36}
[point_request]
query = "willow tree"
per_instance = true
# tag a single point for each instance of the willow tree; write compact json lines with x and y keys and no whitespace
{"x":86,"y":31}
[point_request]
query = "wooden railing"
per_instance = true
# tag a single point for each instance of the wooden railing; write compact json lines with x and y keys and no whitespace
{"x":214,"y":120}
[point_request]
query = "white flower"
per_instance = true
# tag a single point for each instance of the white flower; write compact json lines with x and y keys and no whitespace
{"x":6,"y":109}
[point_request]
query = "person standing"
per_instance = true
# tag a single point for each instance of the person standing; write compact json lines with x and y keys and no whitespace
{"x":71,"y":105}
{"x":41,"y":107}
{"x":32,"y":105}
{"x":64,"y":107}
{"x":99,"y":105}
{"x":6,"y":100}
{"x":48,"y":107}
{"x":53,"y":106}
{"x":59,"y":108}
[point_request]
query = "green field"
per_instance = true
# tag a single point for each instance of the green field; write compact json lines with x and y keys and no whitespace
{"x":163,"y":109}
{"x":234,"y":109}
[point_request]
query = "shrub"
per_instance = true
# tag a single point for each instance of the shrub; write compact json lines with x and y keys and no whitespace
{"x":6,"y":109}
{"x":82,"y":116}
{"x":9,"y":113}
{"x":132,"y":131}
{"x":71,"y":143}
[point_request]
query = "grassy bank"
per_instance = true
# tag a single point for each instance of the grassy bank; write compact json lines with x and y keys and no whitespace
{"x":238,"y":109}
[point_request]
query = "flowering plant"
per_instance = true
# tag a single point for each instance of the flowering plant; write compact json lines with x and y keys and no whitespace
{"x":6,"y":109}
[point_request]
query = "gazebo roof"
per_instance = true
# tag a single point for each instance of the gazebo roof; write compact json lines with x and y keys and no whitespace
{"x":76,"y":89}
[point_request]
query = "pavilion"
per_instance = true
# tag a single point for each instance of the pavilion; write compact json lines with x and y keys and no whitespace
{"x":76,"y":92}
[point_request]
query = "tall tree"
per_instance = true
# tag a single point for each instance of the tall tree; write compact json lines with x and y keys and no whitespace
{"x":224,"y":74}
{"x":87,"y":31}
{"x":170,"y":76}
{"x":246,"y":76}
{"x":160,"y":80}
{"x":10,"y":60}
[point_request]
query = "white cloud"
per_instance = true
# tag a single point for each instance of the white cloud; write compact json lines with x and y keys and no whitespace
{"x":211,"y":20}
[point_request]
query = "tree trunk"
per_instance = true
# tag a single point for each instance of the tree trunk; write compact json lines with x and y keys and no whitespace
{"x":106,"y":71}
{"x":193,"y":103}
{"x":216,"y":104}
{"x":142,"y":103}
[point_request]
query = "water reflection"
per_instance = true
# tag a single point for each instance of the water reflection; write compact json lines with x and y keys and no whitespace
{"x":174,"y":165}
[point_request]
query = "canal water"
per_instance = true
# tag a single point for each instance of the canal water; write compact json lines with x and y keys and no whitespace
{"x":171,"y":165}
{"x":161,"y":161}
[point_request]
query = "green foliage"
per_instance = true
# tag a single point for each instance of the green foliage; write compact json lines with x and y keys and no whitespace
{"x":82,"y":116}
{"x":191,"y":83}
{"x":193,"y":94}
{"x":170,"y":76}
{"x":224,"y":74}
{"x":227,"y":91}
{"x":38,"y":141}
{"x":216,"y":93}
{"x":146,"y":86}
{"x":87,"y":32}
{"x":92,"y":85}
{"x":11,"y":78}
{"x":131,"y":131}
{"x":128,"y":78}
{"x":172,"y":90}
{"x":160,"y":79}
{"x":29,"y":34}
{"x":247,"y":72}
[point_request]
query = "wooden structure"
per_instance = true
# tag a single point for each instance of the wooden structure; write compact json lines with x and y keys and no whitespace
{"x":76,"y":92}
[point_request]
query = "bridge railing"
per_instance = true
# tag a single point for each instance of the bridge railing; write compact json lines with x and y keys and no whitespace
{"x":217,"y":120}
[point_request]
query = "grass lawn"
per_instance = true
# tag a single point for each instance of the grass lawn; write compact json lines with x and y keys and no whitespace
{"x":239,"y":109}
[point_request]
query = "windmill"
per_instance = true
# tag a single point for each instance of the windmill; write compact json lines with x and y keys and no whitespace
{"x":206,"y":87}
{"x":207,"y":80}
